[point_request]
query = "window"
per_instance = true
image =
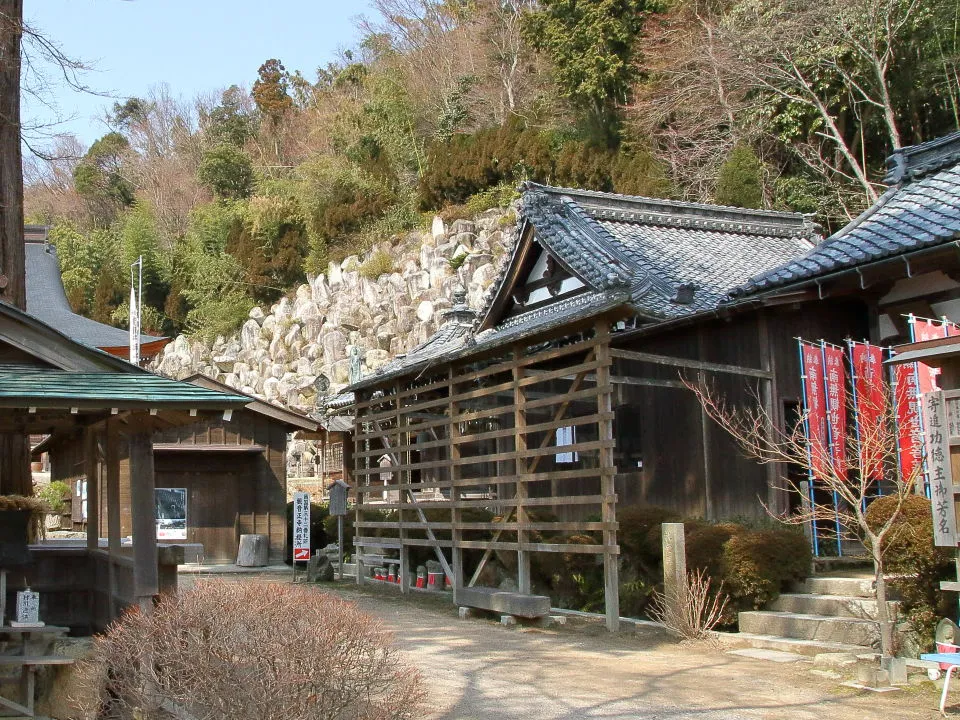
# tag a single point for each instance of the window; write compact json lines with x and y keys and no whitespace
{"x":567,"y":436}
{"x":171,"y":513}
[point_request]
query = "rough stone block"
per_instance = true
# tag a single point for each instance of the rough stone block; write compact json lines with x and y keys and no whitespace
{"x":499,"y":601}
{"x":508,"y":620}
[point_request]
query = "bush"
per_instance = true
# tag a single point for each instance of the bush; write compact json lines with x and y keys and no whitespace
{"x":740,"y":182}
{"x":54,"y":495}
{"x":380,"y":263}
{"x":641,"y":545}
{"x":759,"y":564}
{"x":231,"y":650}
{"x":910,"y":553}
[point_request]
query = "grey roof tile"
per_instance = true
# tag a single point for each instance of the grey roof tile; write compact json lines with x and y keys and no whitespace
{"x":920,"y":210}
{"x":47,"y":301}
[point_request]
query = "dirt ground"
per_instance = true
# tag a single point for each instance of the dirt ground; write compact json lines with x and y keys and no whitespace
{"x":477,"y":668}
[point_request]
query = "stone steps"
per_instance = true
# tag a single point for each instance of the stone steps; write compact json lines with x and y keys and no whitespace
{"x":843,"y":586}
{"x":834,"y":605}
{"x":808,"y":648}
{"x":825,"y":614}
{"x":844,"y":630}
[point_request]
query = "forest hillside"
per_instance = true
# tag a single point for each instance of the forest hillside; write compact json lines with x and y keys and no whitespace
{"x":235,"y":198}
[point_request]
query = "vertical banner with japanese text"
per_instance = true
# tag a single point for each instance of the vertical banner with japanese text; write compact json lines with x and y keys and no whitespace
{"x":816,"y":409}
{"x":937,"y":458}
{"x":905,"y":400}
{"x":870,"y":401}
{"x":301,"y":526}
{"x":835,"y":387}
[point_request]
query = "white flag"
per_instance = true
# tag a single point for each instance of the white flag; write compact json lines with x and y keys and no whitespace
{"x":134,"y":326}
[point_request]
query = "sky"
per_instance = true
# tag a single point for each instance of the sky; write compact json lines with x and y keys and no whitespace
{"x":194,"y":46}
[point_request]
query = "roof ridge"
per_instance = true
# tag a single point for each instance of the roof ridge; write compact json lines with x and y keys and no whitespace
{"x":661,"y":211}
{"x":914,"y":161}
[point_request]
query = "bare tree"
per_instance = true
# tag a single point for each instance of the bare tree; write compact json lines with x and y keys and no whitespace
{"x":870,"y":454}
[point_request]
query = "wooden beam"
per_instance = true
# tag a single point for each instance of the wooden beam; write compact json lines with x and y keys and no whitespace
{"x":655,"y":359}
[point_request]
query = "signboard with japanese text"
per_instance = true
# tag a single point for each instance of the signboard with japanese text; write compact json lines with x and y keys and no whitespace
{"x":870,"y":401}
{"x":816,"y":409}
{"x":937,"y":458}
{"x":301,"y":526}
{"x":908,"y":423}
{"x":835,"y":388}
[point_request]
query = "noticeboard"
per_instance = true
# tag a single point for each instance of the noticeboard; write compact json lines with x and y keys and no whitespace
{"x":301,"y":526}
{"x":338,"y":498}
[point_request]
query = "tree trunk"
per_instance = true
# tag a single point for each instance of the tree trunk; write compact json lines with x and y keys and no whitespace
{"x":12,"y":280}
{"x":883,"y":611}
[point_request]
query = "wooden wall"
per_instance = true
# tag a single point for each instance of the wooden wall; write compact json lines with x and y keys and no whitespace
{"x":229,"y":492}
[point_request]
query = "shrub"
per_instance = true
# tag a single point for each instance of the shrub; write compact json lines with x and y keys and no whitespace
{"x":910,"y":553}
{"x":705,"y":546}
{"x":54,"y":495}
{"x":641,"y":545}
{"x":380,"y":263}
{"x":758,"y":564}
{"x":740,"y":182}
{"x":249,"y":651}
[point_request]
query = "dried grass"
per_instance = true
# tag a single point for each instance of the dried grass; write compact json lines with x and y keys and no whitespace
{"x":691,"y":611}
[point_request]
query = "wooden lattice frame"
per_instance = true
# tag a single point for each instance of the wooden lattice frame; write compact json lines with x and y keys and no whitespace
{"x":572,"y":378}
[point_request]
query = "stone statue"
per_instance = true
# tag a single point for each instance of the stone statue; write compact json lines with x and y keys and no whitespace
{"x":356,"y":364}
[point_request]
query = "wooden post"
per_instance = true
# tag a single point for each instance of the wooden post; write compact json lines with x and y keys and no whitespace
{"x":91,"y":465}
{"x":453,"y":450}
{"x":403,"y":476}
{"x":112,"y":442}
{"x":143,"y":511}
{"x":608,"y":470}
{"x":520,"y":446}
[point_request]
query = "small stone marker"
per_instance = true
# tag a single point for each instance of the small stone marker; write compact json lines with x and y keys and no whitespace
{"x":253,"y":551}
{"x":28,"y":609}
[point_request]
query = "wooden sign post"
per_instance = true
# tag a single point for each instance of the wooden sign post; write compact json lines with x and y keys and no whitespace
{"x":936,"y":446}
{"x":301,"y":529}
{"x":338,"y":508}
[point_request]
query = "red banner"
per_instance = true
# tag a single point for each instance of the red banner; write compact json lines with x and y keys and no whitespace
{"x":924,"y":330}
{"x":835,"y":384}
{"x":908,"y":428}
{"x":816,"y":408}
{"x":867,"y":363}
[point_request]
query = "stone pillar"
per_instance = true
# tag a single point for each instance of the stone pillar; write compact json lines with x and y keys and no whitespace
{"x":674,"y":561}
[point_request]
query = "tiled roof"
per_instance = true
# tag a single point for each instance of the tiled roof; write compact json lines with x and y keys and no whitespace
{"x":660,"y":259}
{"x":658,"y":248}
{"x":47,"y":301}
{"x":54,"y":388}
{"x":921,"y":209}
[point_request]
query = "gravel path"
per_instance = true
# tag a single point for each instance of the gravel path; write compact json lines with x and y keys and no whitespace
{"x":478,"y":669}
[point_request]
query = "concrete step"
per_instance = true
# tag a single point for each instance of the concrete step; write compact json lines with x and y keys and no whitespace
{"x":834,"y":605}
{"x":846,"y":630}
{"x":790,"y":645}
{"x":842,"y":586}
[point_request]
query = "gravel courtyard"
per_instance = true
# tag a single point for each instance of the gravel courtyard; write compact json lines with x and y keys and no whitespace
{"x":478,"y":669}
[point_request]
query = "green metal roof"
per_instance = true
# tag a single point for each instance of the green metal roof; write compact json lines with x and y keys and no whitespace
{"x":22,"y":387}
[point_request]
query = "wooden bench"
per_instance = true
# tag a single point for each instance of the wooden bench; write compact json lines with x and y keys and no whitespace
{"x":501,"y":601}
